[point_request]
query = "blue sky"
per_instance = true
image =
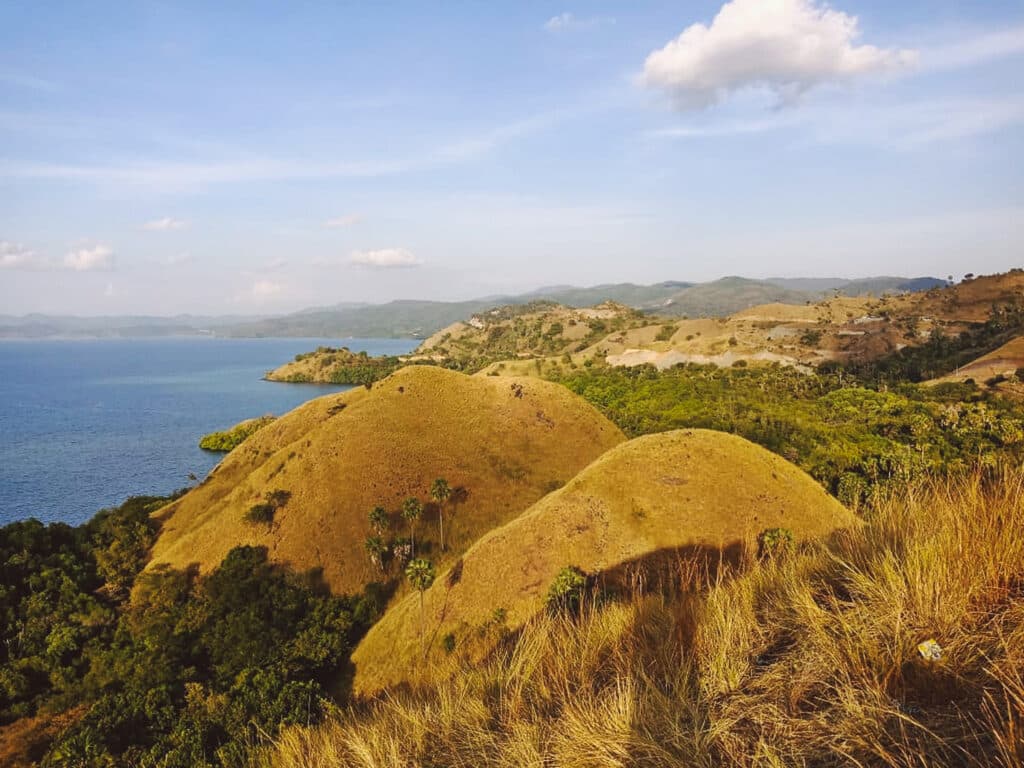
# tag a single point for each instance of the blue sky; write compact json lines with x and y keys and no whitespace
{"x":262,"y":157}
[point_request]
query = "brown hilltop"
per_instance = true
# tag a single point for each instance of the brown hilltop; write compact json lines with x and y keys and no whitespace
{"x":682,"y":492}
{"x":506,"y":441}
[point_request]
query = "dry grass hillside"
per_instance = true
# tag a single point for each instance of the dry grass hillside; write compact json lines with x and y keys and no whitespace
{"x":505,"y":442}
{"x":801,"y":335}
{"x":1004,"y":361}
{"x":809,"y":659}
{"x":540,"y":338}
{"x":675,"y":494}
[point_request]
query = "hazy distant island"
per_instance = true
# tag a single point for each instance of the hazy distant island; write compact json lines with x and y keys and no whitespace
{"x":419,"y":319}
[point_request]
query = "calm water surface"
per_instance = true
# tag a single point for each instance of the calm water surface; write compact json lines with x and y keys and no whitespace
{"x":85,"y":424}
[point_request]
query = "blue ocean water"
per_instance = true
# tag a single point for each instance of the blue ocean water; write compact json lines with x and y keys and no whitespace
{"x":85,"y":424}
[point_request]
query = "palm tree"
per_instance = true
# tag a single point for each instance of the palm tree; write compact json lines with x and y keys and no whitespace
{"x":375,"y":548}
{"x":440,"y":492}
{"x":379,"y":519}
{"x":420,"y":574}
{"x":411,"y":511}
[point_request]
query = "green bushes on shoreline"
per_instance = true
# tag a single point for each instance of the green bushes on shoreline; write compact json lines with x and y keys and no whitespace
{"x":230,"y":439}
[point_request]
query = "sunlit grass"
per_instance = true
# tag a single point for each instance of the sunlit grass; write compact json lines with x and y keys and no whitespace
{"x":804,"y":659}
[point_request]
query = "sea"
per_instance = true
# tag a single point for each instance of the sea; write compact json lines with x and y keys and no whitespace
{"x":84,"y":424}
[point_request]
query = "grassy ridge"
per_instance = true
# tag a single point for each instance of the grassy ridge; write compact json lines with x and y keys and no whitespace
{"x":333,"y":459}
{"x":804,"y":659}
{"x":692,"y":493}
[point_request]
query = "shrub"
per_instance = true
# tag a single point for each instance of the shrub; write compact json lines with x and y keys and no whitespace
{"x":810,"y":337}
{"x":230,"y":439}
{"x":260,"y":513}
{"x":566,"y":591}
{"x":666,"y":332}
{"x":773,"y":541}
{"x":264,"y":512}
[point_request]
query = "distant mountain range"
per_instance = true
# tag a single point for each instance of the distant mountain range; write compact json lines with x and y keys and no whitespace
{"x":411,"y":318}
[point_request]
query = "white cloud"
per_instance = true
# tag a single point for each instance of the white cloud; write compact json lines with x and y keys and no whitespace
{"x":786,"y":46}
{"x":164,"y":225}
{"x":17,"y":256}
{"x":265,"y":289}
{"x":385,"y":258}
{"x":568,"y":20}
{"x":93,"y":259}
{"x":340,"y":222}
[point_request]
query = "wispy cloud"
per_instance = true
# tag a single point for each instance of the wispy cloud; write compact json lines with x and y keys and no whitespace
{"x":973,"y":50}
{"x":385,"y":258}
{"x":566,"y":20}
{"x":189,"y":175}
{"x":341,"y":222}
{"x":892,"y":125}
{"x":17,"y":257}
{"x":785,"y":46}
{"x":165,"y":224}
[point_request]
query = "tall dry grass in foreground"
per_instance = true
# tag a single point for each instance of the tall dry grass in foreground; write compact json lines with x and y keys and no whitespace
{"x":807,"y":659}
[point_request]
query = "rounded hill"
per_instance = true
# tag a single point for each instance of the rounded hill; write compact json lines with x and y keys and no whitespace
{"x":316,"y":472}
{"x":681,"y":493}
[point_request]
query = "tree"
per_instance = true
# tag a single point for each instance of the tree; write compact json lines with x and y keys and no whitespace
{"x":375,"y":548}
{"x":440,"y":492}
{"x":411,"y":511}
{"x":420,"y":574}
{"x":379,"y":520}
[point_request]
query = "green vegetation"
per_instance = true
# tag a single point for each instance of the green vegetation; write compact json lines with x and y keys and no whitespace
{"x":191,"y":671}
{"x":440,"y":493}
{"x":264,"y":511}
{"x":539,"y":329}
{"x":421,"y":575}
{"x":666,"y":332}
{"x":230,"y":439}
{"x":942,"y":353}
{"x":774,"y":541}
{"x":566,"y":591}
{"x":412,"y":510}
{"x":338,"y":366}
{"x":854,"y":440}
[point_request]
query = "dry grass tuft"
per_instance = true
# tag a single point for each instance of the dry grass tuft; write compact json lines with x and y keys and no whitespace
{"x":805,"y":659}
